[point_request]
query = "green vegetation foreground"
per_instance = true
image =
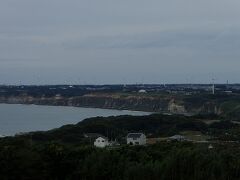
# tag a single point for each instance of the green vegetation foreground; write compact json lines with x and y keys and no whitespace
{"x":180,"y":161}
{"x":65,"y":154}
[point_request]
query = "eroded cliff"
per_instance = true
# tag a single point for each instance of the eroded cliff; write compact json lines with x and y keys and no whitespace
{"x":165,"y":104}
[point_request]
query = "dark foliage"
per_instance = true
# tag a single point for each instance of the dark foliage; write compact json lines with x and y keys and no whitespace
{"x":155,"y":125}
{"x":64,"y":153}
{"x":173,"y":161}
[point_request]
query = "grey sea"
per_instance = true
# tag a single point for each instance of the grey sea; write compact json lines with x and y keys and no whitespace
{"x":15,"y":118}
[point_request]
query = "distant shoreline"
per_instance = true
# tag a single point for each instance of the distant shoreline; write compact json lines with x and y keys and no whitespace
{"x":101,"y":102}
{"x":78,"y":107}
{"x":86,"y":107}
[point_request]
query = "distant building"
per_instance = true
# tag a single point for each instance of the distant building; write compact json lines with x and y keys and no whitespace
{"x":136,"y":139}
{"x":113,"y":143}
{"x":210,"y":146}
{"x":101,"y":142}
{"x":142,"y":91}
{"x":228,"y":92}
{"x":58,"y":96}
{"x":177,"y":138}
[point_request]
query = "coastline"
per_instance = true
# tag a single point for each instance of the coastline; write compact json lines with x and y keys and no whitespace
{"x":21,"y":118}
{"x":102,"y":102}
{"x":84,"y":107}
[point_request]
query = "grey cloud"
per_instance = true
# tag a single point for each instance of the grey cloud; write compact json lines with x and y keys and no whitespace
{"x":182,"y":39}
{"x":154,"y":40}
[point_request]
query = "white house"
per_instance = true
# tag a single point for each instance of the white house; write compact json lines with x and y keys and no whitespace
{"x":101,"y":142}
{"x":136,"y":139}
{"x":142,"y":91}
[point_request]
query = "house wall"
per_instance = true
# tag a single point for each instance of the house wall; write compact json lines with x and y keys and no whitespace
{"x":140,"y":141}
{"x":101,"y":142}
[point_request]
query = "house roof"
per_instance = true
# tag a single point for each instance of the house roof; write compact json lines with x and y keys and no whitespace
{"x":176,"y":137}
{"x":102,"y":137}
{"x":134,"y":135}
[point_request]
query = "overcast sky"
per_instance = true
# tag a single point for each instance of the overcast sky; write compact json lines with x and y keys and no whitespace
{"x":119,"y":41}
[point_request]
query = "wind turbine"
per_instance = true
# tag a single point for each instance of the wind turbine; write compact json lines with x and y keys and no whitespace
{"x":213,"y":86}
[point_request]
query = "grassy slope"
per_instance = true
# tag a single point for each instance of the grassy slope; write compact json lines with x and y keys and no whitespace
{"x":155,"y":125}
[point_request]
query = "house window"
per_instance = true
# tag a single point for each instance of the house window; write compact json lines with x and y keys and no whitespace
{"x":102,"y":140}
{"x":137,"y":143}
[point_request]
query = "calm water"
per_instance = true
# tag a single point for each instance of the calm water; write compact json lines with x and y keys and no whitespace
{"x":25,"y":118}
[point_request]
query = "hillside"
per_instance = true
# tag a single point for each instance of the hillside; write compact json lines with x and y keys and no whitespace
{"x":65,"y":153}
{"x":156,"y":125}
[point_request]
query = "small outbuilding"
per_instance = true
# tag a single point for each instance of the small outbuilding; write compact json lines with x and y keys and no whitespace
{"x":177,"y":138}
{"x":101,"y":142}
{"x":142,"y":91}
{"x":136,"y":139}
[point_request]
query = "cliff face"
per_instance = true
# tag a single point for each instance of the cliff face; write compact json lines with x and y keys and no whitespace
{"x":97,"y":101}
{"x":140,"y":103}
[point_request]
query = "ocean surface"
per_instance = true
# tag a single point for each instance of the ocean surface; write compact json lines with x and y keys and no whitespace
{"x":16,"y":118}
